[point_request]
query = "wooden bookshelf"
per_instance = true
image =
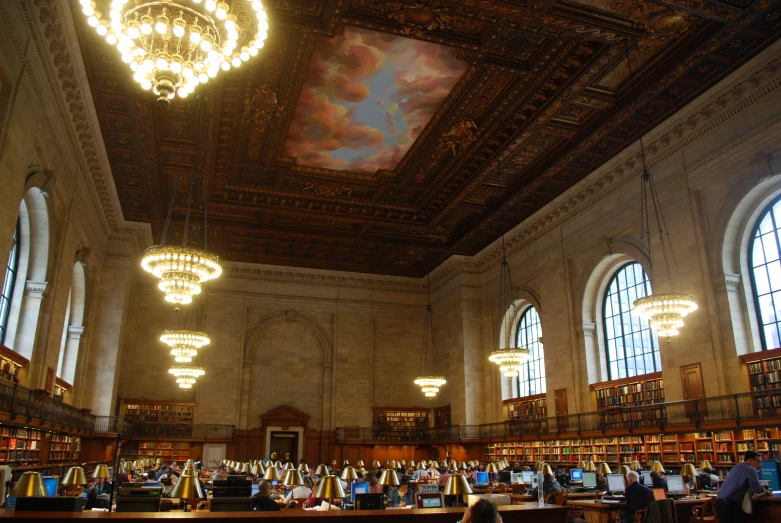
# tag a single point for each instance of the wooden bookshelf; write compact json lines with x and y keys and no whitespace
{"x":639,"y":391}
{"x":11,"y":364}
{"x":168,"y":451}
{"x":722,"y":448}
{"x":764,"y":374}
{"x":20,"y":446}
{"x":64,"y":448}
{"x":442,"y":416}
{"x":527,"y":407}
{"x":170,"y":412}
{"x":390,"y":423}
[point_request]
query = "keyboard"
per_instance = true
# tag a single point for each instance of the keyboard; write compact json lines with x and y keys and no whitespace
{"x":611,"y":501}
{"x":615,"y":498}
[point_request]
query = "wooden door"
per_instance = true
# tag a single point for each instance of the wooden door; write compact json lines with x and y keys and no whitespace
{"x":691,"y":379}
{"x":561,"y":408}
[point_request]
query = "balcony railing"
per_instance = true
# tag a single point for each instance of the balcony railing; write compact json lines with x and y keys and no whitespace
{"x":182,"y":431}
{"x":113,"y":425}
{"x":24,"y":405}
{"x":735,"y":409}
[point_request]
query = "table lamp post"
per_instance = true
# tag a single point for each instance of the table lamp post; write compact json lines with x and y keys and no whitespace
{"x":689,"y":471}
{"x":271,"y":474}
{"x":293,"y":479}
{"x":188,"y":487}
{"x":75,"y":477}
{"x":457,"y":485}
{"x":389,"y":478}
{"x":330,"y":488}
{"x":604,"y":468}
{"x":30,"y":484}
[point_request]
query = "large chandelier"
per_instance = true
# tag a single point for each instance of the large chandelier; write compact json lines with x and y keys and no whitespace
{"x":186,"y":375}
{"x":509,"y":359}
{"x":181,"y":269}
{"x":664,"y":312}
{"x":172,"y":46}
{"x":184,"y":343}
{"x":428,"y":380}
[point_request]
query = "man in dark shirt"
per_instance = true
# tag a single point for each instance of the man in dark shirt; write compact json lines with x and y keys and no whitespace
{"x":262,"y":500}
{"x":638,"y":496}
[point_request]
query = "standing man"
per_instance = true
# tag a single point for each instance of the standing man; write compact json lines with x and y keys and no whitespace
{"x":743,"y":477}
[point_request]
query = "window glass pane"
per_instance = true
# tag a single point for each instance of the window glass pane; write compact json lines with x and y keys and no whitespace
{"x":761,"y":281}
{"x":766,"y":223}
{"x":531,"y":378}
{"x":758,"y":254}
{"x":9,"y":280}
{"x":766,"y":273}
{"x":628,"y":336}
{"x":769,"y":242}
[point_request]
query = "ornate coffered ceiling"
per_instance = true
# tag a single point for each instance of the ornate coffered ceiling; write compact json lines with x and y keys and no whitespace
{"x":384,"y":136}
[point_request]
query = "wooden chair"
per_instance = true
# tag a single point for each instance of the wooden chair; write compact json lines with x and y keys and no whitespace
{"x":501,"y":490}
{"x":659,"y":494}
{"x":705,"y":511}
{"x":296,"y":503}
{"x":556,"y":498}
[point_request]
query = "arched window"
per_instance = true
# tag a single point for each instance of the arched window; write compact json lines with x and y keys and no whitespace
{"x":11,"y":270}
{"x":766,"y":274}
{"x":632,"y":348}
{"x":531,"y":378}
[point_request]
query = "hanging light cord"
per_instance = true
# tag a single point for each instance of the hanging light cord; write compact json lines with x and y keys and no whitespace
{"x":171,"y":208}
{"x":647,"y":180}
{"x":187,"y":216}
{"x":428,"y":325}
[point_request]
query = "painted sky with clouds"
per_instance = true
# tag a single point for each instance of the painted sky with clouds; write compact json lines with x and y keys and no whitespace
{"x":366,"y":99}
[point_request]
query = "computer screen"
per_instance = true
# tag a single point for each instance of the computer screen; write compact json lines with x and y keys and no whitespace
{"x":481,"y":478}
{"x":576,"y":475}
{"x":51,"y":483}
{"x":153,"y":485}
{"x":505,"y":476}
{"x":590,"y":479}
{"x":527,"y":476}
{"x":615,"y":482}
{"x":517,"y":477}
{"x":358,"y":488}
{"x":369,"y":502}
{"x":432,"y":502}
{"x":674,"y":484}
{"x":646,"y":478}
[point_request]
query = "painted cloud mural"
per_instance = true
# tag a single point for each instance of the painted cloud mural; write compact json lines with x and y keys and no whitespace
{"x":366,"y":99}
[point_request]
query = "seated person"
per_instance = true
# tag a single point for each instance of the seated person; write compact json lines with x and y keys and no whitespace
{"x":262,"y":500}
{"x":301,"y":491}
{"x":402,"y":496}
{"x":421,"y":473}
{"x":709,"y":478}
{"x":481,"y":512}
{"x":637,"y":495}
{"x":550,"y":485}
{"x":658,"y":480}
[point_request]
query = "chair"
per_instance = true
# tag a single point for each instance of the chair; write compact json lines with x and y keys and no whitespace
{"x":659,"y":494}
{"x":664,"y":505}
{"x":556,"y":498}
{"x":705,"y":511}
{"x":296,"y":503}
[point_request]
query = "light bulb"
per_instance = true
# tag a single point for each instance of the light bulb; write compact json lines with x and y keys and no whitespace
{"x":195,"y":37}
{"x":253,"y":50}
{"x":182,"y":92}
{"x":257,"y":5}
{"x":230,"y":25}
{"x":263,"y":26}
{"x":220,"y":13}
{"x":233,"y":35}
{"x":161,"y":28}
{"x":138,"y":76}
{"x":93,"y":21}
{"x":213,"y":72}
{"x":187,"y":72}
{"x":261,"y":16}
{"x":154,"y":90}
{"x":236,"y":61}
{"x":146,"y":29}
{"x":88,"y":10}
{"x":244,"y":56}
{"x":176,"y":66}
{"x":225,"y":65}
{"x":170,"y":96}
{"x":133,"y":32}
{"x":127,"y":59}
{"x":111,"y":38}
{"x":210,"y":5}
{"x":146,"y":84}
{"x":178,"y":31}
{"x":203,"y":78}
{"x":161,"y":63}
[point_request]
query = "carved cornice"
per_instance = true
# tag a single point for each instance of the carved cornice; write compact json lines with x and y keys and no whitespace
{"x":726,"y":282}
{"x":75,"y":333}
{"x":601,"y":184}
{"x":588,"y":329}
{"x":35,"y":287}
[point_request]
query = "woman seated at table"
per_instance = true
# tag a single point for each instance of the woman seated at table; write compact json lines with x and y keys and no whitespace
{"x":402,"y":496}
{"x":374,"y":485}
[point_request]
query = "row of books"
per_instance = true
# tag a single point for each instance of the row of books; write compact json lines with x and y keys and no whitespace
{"x":764,"y":366}
{"x":20,"y":432}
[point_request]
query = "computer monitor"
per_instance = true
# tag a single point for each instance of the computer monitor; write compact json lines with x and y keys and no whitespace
{"x":429,"y":501}
{"x":51,"y":483}
{"x":138,"y":504}
{"x":359,"y":487}
{"x":675,"y":485}
{"x":646,"y":478}
{"x":615,"y":483}
{"x":230,"y":505}
{"x":517,"y":477}
{"x":590,"y":479}
{"x":527,"y":476}
{"x":153,"y":484}
{"x":505,"y":476}
{"x":372,"y":501}
{"x":50,"y":504}
{"x":576,"y":475}
{"x":481,"y":478}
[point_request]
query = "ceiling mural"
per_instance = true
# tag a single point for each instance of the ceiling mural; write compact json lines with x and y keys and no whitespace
{"x":384,"y":136}
{"x":366,"y":98}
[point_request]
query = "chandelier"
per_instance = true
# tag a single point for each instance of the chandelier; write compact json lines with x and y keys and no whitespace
{"x":172,"y":46}
{"x":186,"y":375}
{"x":184,"y":343}
{"x":428,"y":380}
{"x":180,"y":269}
{"x":664,"y":312}
{"x":509,"y":359}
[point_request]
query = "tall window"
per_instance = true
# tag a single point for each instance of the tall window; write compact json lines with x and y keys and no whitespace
{"x":766,"y":274}
{"x":632,"y":348}
{"x":11,"y":269}
{"x":531,"y":378}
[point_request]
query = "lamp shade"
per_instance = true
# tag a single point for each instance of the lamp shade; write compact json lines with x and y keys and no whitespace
{"x":349,"y":474}
{"x":623,"y":470}
{"x":271,"y":474}
{"x":293,"y":478}
{"x":457,"y":486}
{"x":330,"y":488}
{"x":705,"y":465}
{"x":303,"y":468}
{"x":452,"y":467}
{"x":462,"y":466}
{"x":376,"y":464}
{"x":253,"y":469}
{"x":590,"y":467}
{"x":322,"y":470}
{"x":360,"y":463}
{"x":635,"y":465}
{"x":421,"y":465}
{"x":101,"y":471}
{"x":160,"y":460}
{"x":604,"y":468}
{"x":581,"y":465}
{"x":435,"y":464}
{"x":345,"y":463}
{"x":657,"y":466}
{"x":244,"y":468}
{"x":403,"y":462}
{"x":128,"y":466}
{"x":389,"y":478}
{"x":411,"y":464}
{"x":188,"y":486}
{"x":74,"y":476}
{"x":688,"y":470}
{"x":278,"y":465}
{"x":30,"y":484}
{"x":334,"y":463}
{"x":545,"y":469}
{"x":289,"y":466}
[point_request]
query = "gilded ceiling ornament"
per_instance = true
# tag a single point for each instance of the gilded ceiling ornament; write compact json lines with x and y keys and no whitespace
{"x":262,"y":105}
{"x":328,"y":190}
{"x":659,"y":21}
{"x":416,"y":18}
{"x":460,"y":136}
